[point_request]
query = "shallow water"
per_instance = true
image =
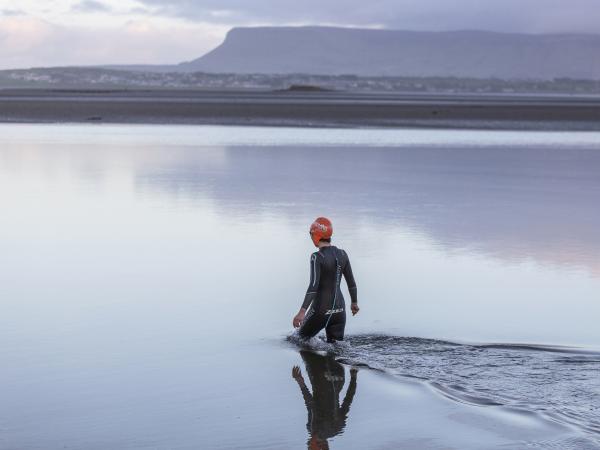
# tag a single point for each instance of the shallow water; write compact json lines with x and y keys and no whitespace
{"x":560,"y":383}
{"x":148,"y":276}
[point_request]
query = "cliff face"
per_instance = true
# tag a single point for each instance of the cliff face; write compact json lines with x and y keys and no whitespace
{"x":337,"y":51}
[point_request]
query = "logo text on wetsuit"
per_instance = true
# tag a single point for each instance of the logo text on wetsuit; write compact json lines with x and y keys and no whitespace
{"x":333,"y":311}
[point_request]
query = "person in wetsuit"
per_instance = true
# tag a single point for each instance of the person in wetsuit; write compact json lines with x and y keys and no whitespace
{"x":323,"y":305}
{"x":326,"y":417}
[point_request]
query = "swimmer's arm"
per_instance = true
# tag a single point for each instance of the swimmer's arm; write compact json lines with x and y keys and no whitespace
{"x":311,"y":291}
{"x":313,"y":284}
{"x":351,"y":282}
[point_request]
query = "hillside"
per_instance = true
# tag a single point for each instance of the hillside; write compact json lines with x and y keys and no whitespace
{"x":365,"y":52}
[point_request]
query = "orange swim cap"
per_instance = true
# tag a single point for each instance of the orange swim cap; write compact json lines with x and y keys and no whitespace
{"x":320,"y":229}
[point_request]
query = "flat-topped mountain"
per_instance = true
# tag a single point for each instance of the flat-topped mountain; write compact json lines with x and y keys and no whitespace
{"x":367,"y":52}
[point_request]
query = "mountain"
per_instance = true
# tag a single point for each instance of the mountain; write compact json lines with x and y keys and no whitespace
{"x":367,"y":52}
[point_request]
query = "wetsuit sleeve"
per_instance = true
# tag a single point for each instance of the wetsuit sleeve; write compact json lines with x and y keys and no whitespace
{"x":313,"y":285}
{"x":349,"y":276}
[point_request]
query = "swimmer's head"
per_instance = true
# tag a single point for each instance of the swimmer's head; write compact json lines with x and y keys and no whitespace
{"x":321,"y":230}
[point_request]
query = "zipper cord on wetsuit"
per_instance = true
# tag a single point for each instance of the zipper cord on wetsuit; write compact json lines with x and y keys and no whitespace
{"x":338,"y":270}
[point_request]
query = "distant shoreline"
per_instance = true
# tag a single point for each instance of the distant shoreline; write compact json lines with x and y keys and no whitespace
{"x":301,"y":109}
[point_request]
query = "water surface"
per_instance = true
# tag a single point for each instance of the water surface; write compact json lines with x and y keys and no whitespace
{"x":148,"y":276}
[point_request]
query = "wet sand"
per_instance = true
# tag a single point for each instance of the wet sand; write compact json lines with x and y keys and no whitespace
{"x":316,"y":109}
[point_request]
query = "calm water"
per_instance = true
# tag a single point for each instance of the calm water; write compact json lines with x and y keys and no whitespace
{"x":148,"y":277}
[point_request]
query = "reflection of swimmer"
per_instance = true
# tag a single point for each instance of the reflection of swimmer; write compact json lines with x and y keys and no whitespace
{"x":324,"y":296}
{"x":326,"y":418}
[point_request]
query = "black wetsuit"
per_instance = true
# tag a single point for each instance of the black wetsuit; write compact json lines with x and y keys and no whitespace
{"x":327,"y":309}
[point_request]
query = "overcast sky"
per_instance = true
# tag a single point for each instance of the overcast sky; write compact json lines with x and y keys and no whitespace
{"x":83,"y":32}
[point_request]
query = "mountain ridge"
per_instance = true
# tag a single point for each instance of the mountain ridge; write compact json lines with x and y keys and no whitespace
{"x":376,"y":52}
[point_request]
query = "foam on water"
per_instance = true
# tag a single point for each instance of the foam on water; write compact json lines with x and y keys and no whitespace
{"x":560,"y":384}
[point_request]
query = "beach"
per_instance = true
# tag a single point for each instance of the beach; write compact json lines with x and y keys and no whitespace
{"x":271,"y":225}
{"x":306,"y":109}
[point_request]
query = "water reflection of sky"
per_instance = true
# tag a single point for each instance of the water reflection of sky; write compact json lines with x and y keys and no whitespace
{"x":472,"y":240}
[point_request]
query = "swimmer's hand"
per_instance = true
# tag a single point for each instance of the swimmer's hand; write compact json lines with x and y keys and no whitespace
{"x":299,"y":318}
{"x":355,"y":309}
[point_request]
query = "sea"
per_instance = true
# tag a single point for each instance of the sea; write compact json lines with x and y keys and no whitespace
{"x":149,"y":275}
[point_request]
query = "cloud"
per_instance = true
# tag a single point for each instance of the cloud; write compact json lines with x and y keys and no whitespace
{"x":90,"y":6}
{"x":167,"y":31}
{"x":534,"y":16}
{"x":30,"y":42}
{"x":11,"y":12}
